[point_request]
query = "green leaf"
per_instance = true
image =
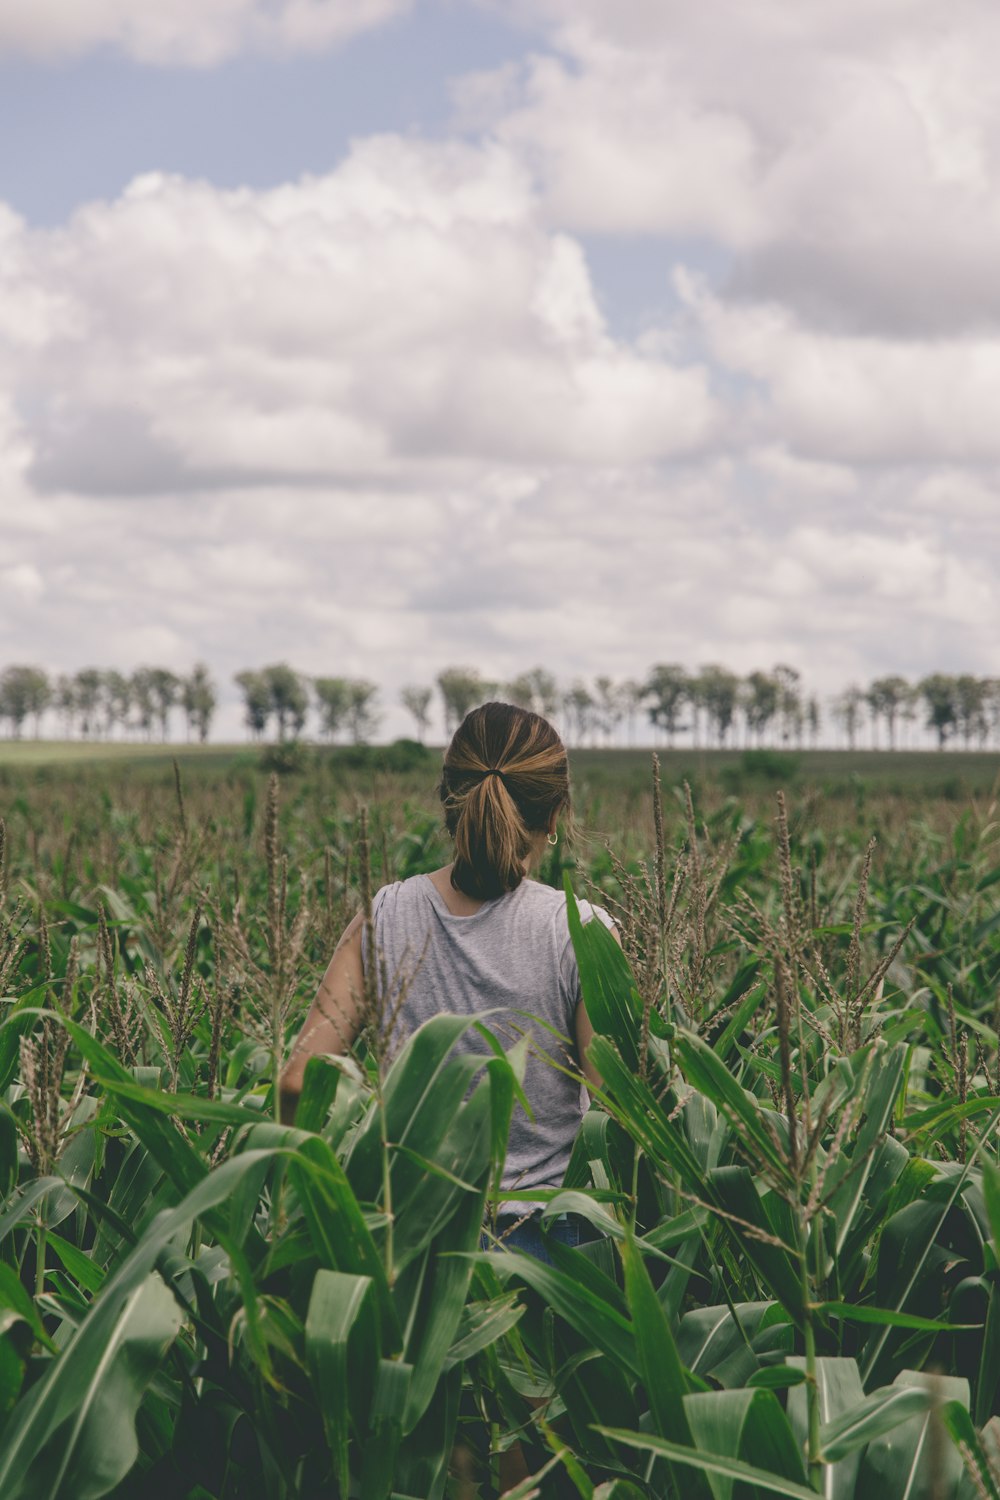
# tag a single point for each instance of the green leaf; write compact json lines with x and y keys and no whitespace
{"x":8,"y":1151}
{"x":95,"y":1446}
{"x":707,"y":1072}
{"x":596,"y":1315}
{"x":885,"y":1317}
{"x":79,"y":1265}
{"x":335,"y":1222}
{"x":432,"y":1318}
{"x":341,"y":1338}
{"x":422,"y":1093}
{"x":606,"y":981}
{"x":738,"y":1021}
{"x":482,"y":1324}
{"x":838,"y":1390}
{"x":881,"y":1412}
{"x":908,"y":1463}
{"x":320,"y":1083}
{"x":663,"y":1375}
{"x":16,"y":1301}
{"x":737,"y":1193}
{"x":748,"y":1425}
{"x":958,"y":1423}
{"x":711,"y":1463}
{"x":56,"y":1396}
{"x":880,"y":1072}
{"x":392,"y":1385}
{"x":776,"y":1378}
{"x":709,"y":1335}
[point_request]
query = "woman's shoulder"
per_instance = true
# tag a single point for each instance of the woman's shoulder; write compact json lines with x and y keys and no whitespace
{"x":552,"y":899}
{"x":396,"y":896}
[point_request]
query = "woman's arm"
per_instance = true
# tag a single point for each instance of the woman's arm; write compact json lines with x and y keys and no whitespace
{"x":335,"y":1016}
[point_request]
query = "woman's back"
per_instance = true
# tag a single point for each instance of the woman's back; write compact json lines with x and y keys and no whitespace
{"x":512,"y":957}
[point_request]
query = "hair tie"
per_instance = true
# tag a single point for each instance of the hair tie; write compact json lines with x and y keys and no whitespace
{"x":494,"y":771}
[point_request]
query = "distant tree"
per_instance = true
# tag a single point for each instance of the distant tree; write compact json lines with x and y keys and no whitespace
{"x":668,"y":687}
{"x":631,"y":695}
{"x":461,"y":689}
{"x":535,"y":690}
{"x":992,"y":706}
{"x":417,"y":701}
{"x":718,"y":690}
{"x":909,"y":710}
{"x":545,"y":692}
{"x":939,"y":694}
{"x":813,"y":719}
{"x":885,"y":697}
{"x":362,"y":718}
{"x":257,"y":702}
{"x":289,"y":698}
{"x":333,"y":695}
{"x":970,"y":708}
{"x":64,"y":699}
{"x":520,"y":690}
{"x":116,"y":698}
{"x":788,"y":680}
{"x":143,"y":700}
{"x":760,"y":702}
{"x":608,"y":705}
{"x":578,"y":706}
{"x":164,"y":686}
{"x":198,"y":699}
{"x":847,"y":711}
{"x":87,"y":685}
{"x":24,"y":691}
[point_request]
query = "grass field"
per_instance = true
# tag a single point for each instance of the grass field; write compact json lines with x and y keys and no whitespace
{"x":791,"y":1174}
{"x":950,"y":773}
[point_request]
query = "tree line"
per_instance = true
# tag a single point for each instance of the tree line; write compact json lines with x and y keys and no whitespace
{"x":711,"y":706}
{"x":95,"y":701}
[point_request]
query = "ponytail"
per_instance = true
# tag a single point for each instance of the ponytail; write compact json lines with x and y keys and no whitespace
{"x":505,"y":774}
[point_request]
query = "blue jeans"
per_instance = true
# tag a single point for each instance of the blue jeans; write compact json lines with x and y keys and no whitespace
{"x":528,"y":1236}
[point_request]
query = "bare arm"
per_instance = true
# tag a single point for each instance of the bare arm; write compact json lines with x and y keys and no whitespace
{"x":585,"y":1034}
{"x":334,"y":1018}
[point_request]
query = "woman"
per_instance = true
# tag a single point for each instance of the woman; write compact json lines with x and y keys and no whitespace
{"x":479,"y":935}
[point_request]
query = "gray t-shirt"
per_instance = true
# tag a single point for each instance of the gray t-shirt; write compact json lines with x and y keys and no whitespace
{"x":513,"y":954}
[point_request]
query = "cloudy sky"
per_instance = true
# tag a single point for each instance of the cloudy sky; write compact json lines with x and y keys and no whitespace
{"x":379,"y":335}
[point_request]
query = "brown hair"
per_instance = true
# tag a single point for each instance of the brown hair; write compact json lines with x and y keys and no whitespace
{"x":505,"y":774}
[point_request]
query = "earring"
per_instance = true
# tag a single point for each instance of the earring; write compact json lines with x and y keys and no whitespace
{"x":553,"y":839}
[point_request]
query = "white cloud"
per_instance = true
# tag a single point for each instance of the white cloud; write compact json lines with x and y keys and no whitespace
{"x":196,"y":33}
{"x":854,"y":398}
{"x":377,"y":421}
{"x":848,"y":154}
{"x":407,"y":307}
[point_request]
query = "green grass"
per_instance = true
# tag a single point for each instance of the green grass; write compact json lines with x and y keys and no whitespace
{"x":974,"y":770}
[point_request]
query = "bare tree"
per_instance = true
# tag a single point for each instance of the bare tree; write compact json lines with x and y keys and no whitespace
{"x":669,"y":688}
{"x":760,"y":702}
{"x":198,"y":698}
{"x":885,"y":697}
{"x":24,"y":692}
{"x":718,"y":690}
{"x":939,"y":694}
{"x":257,"y":703}
{"x":417,"y":701}
{"x":116,"y":693}
{"x":333,"y":694}
{"x":578,"y":706}
{"x":461,"y":689}
{"x":847,"y":711}
{"x":362,"y":717}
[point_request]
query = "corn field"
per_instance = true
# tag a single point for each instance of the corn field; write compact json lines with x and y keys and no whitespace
{"x":790,"y":1175}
